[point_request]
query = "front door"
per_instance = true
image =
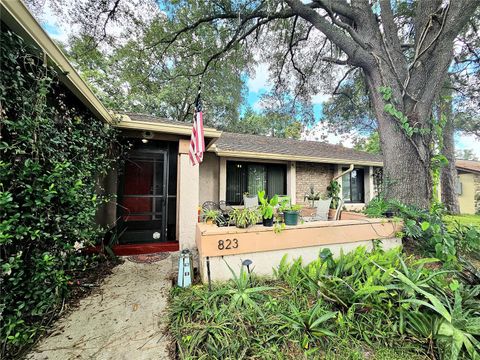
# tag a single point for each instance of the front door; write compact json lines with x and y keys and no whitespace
{"x":144,"y":197}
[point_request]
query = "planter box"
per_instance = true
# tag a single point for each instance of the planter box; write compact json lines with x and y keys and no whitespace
{"x":308,"y":211}
{"x":350,"y":215}
{"x":222,"y":246}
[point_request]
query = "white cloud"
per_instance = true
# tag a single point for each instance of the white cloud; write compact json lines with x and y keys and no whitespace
{"x":470,"y":142}
{"x":320,"y":98}
{"x":260,"y":80}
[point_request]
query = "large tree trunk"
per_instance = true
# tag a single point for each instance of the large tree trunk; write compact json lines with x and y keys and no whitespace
{"x":448,"y":180}
{"x":415,"y":80}
{"x":406,"y":169}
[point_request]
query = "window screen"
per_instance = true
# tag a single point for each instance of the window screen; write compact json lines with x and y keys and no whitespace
{"x":249,"y":177}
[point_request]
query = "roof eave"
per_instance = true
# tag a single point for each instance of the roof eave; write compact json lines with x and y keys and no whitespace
{"x":125,"y":122}
{"x":471,"y":171}
{"x":16,"y":15}
{"x":314,"y":159}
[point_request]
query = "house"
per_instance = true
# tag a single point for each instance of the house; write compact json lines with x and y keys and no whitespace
{"x":158,"y":191}
{"x":468,"y":186}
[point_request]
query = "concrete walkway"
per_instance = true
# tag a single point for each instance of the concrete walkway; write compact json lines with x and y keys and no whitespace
{"x":124,"y":319}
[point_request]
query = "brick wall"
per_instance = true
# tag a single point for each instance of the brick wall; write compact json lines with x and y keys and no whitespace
{"x":318,"y":175}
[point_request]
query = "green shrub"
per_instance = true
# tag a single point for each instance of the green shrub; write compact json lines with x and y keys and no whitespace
{"x":467,"y":238}
{"x":426,"y":228}
{"x":52,"y":153}
{"x":362,"y":305}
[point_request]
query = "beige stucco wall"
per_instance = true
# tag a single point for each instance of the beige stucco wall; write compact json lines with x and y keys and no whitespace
{"x":187,"y":200}
{"x":477,"y":193}
{"x":467,"y":198}
{"x":209,"y":178}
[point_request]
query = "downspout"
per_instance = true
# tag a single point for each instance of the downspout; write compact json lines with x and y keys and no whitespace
{"x":350,"y":169}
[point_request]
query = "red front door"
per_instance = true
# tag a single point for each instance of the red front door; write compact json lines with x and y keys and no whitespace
{"x":143,"y":199}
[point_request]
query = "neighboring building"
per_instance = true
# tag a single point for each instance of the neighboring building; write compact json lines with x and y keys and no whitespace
{"x":159,"y":191}
{"x":468,"y":186}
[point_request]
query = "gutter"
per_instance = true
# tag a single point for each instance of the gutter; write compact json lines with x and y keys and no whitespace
{"x":17,"y":17}
{"x":125,"y":122}
{"x":286,"y":157}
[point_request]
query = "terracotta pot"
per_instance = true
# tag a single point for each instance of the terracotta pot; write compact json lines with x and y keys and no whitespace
{"x":308,"y":211}
{"x":331,"y":214}
{"x":348,"y":215}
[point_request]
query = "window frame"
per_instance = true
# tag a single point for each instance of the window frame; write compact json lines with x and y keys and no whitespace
{"x":350,"y":201}
{"x":245,"y":165}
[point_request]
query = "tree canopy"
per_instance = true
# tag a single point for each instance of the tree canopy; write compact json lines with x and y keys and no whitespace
{"x":404,"y":50}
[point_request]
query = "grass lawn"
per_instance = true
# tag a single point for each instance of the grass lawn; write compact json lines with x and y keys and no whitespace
{"x":464,"y":219}
{"x":359,"y":306}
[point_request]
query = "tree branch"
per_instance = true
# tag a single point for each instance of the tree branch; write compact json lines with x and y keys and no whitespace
{"x":353,"y":49}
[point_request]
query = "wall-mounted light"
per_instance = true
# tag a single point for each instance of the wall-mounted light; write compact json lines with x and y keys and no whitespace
{"x":147,"y":134}
{"x":144,"y":141}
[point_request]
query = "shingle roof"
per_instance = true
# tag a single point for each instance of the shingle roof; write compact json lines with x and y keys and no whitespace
{"x":468,"y":165}
{"x":292,"y":149}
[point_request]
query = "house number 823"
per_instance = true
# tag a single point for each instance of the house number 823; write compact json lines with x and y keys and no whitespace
{"x":227,"y":244}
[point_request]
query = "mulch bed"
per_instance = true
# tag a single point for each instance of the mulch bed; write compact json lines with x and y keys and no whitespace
{"x":83,"y":283}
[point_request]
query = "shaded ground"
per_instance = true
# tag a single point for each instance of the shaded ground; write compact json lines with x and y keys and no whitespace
{"x":123,"y":319}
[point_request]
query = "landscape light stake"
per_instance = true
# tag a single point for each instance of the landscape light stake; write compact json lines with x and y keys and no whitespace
{"x":247,"y":263}
{"x":208,"y":274}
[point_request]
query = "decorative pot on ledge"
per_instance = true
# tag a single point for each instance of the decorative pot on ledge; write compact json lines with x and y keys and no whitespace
{"x":331,"y":214}
{"x":268,"y":222}
{"x":290,"y":217}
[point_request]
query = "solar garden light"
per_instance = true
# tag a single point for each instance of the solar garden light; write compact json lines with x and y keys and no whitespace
{"x":247,"y":263}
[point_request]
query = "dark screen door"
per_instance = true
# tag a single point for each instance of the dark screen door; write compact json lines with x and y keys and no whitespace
{"x":143,"y":200}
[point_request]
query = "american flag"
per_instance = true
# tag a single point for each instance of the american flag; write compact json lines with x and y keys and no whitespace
{"x":197,"y":141}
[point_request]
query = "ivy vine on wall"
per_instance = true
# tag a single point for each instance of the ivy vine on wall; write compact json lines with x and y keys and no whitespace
{"x":53,"y":152}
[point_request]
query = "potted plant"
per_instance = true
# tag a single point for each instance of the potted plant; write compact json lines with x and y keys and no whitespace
{"x":333,"y":191}
{"x":290,"y":212}
{"x":267,"y":207}
{"x":245,"y":217}
{"x":312,"y":196}
{"x":211,"y":216}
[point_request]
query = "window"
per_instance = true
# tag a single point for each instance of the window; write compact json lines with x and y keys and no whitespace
{"x":352,"y":186}
{"x":249,"y":177}
{"x":459,"y":186}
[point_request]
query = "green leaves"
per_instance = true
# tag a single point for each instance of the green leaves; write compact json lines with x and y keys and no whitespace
{"x":267,"y":207}
{"x":52,"y":151}
{"x":404,"y":123}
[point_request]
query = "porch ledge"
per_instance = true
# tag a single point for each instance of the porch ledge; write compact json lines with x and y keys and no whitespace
{"x":219,"y":241}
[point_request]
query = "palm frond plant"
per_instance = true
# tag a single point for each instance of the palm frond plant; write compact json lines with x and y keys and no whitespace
{"x":211,"y":216}
{"x":243,"y":218}
{"x":309,"y":326}
{"x":242,"y":294}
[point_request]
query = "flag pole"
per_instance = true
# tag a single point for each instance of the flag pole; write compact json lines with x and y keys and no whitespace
{"x":199,"y":92}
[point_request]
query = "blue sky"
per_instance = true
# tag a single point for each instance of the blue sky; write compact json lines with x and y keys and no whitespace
{"x":258,"y":84}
